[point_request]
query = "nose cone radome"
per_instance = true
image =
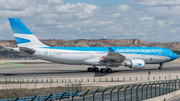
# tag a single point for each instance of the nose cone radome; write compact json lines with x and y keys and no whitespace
{"x":174,"y":56}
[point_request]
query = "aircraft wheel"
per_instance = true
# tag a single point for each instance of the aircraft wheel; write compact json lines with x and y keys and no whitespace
{"x":109,"y":70}
{"x":96,"y":69}
{"x":102,"y":70}
{"x":90,"y":69}
{"x":160,"y":68}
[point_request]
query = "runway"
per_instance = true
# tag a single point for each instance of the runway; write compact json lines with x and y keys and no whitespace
{"x":45,"y":69}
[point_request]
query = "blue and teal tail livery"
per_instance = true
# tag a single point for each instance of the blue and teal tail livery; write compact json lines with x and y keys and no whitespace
{"x":24,"y":37}
{"x":18,"y":27}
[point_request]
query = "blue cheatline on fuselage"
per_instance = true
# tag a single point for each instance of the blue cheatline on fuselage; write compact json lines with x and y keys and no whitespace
{"x":135,"y":50}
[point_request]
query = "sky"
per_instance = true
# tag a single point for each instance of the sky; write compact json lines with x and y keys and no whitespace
{"x":149,"y":20}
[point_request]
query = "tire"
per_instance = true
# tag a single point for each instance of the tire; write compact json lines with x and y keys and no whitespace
{"x":160,"y":68}
{"x":102,"y":70}
{"x":90,"y":69}
{"x":96,"y":69}
{"x":109,"y":70}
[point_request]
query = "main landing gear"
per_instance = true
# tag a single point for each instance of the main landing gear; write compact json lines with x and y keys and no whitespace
{"x":93,"y":69}
{"x":96,"y":69}
{"x":103,"y":70}
{"x":161,"y":66}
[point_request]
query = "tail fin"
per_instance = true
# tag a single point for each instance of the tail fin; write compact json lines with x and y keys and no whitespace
{"x":24,"y":37}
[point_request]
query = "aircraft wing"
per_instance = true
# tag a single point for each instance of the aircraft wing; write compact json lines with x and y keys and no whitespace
{"x":114,"y":56}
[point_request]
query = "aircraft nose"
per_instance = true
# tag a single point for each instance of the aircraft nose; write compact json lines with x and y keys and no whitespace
{"x":174,"y":56}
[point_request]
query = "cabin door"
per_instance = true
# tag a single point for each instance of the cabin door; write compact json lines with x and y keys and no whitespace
{"x":51,"y":52}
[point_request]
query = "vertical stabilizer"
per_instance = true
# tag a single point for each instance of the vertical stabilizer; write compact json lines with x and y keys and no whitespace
{"x":24,"y":37}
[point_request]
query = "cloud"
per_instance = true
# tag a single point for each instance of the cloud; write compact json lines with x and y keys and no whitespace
{"x":115,"y":15}
{"x":122,"y":7}
{"x":60,"y":20}
{"x":55,"y":1}
{"x":156,"y":2}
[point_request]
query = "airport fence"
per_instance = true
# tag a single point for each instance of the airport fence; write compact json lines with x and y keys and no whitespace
{"x":68,"y":90}
{"x":127,"y":92}
{"x":130,"y":92}
{"x":50,"y":97}
{"x":68,"y":86}
{"x":93,"y":79}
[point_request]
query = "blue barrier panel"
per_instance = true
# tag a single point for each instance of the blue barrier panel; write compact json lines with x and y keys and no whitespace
{"x":51,"y":98}
{"x":55,"y":96}
{"x":45,"y":98}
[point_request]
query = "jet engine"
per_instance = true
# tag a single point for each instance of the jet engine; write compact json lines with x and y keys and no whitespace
{"x":137,"y":64}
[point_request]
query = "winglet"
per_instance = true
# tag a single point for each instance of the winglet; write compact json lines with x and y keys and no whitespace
{"x":110,"y":49}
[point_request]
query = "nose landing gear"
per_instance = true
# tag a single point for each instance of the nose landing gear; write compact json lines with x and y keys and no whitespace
{"x":161,"y":66}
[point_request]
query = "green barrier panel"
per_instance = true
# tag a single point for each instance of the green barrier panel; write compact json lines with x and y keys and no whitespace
{"x":69,"y":80}
{"x":47,"y":80}
{"x":124,"y":79}
{"x":9,"y":80}
{"x":42,"y":80}
{"x":32,"y":80}
{"x":176,"y":76}
{"x":130,"y":78}
{"x":37,"y":80}
{"x":18,"y":80}
{"x":22,"y":80}
{"x":112,"y":79}
{"x":62,"y":80}
{"x":148,"y":78}
{"x":94,"y":80}
{"x":75,"y":80}
{"x":165,"y":77}
{"x":88,"y":79}
{"x":81,"y":79}
{"x":100,"y":79}
{"x":27,"y":80}
{"x":118,"y":78}
{"x":159,"y":77}
{"x":57,"y":80}
{"x":106,"y":79}
{"x":51,"y":80}
{"x":136,"y":78}
{"x":13,"y":80}
{"x":153,"y":77}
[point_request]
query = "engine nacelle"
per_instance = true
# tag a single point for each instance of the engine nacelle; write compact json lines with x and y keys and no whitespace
{"x":137,"y":64}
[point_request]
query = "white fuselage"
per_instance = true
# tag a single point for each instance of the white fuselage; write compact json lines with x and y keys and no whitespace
{"x":90,"y":57}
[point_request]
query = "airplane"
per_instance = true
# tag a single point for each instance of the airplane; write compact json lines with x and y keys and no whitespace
{"x":110,"y":57}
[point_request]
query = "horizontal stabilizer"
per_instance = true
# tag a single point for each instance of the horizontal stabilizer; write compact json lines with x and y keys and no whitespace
{"x":27,"y":50}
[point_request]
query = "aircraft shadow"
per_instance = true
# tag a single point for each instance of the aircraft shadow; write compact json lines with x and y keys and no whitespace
{"x":84,"y":72}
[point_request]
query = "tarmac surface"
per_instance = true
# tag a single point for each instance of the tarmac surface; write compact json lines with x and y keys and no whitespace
{"x":43,"y":69}
{"x":29,"y":69}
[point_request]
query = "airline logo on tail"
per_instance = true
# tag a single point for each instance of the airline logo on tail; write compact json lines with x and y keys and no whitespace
{"x":24,"y":37}
{"x":21,"y":40}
